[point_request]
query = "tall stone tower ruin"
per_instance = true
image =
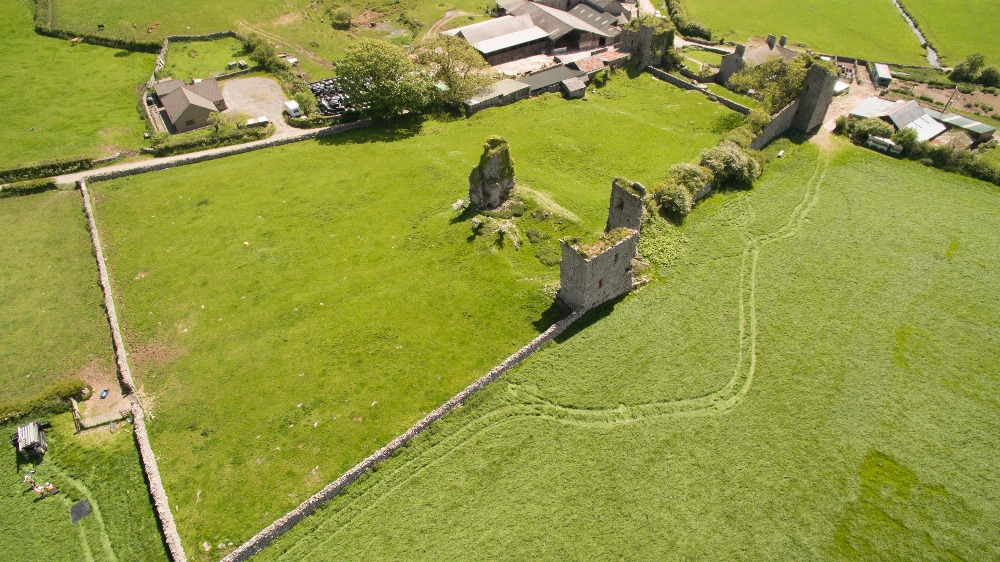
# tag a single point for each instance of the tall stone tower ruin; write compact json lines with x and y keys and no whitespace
{"x":591,"y":274}
{"x":815,"y":99}
{"x":492,"y":180}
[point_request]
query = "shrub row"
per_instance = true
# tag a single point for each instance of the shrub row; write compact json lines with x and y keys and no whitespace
{"x":44,"y":169}
{"x":960,"y":161}
{"x":181,"y":145}
{"x":686,"y":26}
{"x":52,"y":400}
{"x":27,"y":188}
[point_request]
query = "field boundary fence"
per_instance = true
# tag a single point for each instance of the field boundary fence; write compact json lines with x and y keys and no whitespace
{"x":289,"y":520}
{"x":161,"y":503}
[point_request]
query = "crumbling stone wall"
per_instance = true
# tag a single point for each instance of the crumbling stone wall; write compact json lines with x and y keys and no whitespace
{"x":587,"y":281}
{"x":625,"y":209}
{"x":492,"y":180}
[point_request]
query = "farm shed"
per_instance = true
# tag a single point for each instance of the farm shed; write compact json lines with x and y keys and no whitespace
{"x":504,"y":39}
{"x":573,"y":88}
{"x":901,"y":114}
{"x":881,"y":76}
{"x":504,"y":92}
{"x":30,"y":439}
{"x":548,"y":80}
{"x":980,"y":132}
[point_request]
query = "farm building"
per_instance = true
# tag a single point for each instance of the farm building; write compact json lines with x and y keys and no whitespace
{"x":900,"y":114}
{"x":549,"y":80}
{"x":30,"y":439}
{"x":532,"y":28}
{"x":749,"y":58}
{"x":980,"y":132}
{"x":881,"y":76}
{"x":189,"y":106}
{"x":502,"y":93}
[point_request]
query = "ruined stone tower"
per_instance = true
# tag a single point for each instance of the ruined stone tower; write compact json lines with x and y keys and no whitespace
{"x":590,"y":274}
{"x":492,"y":180}
{"x":815,"y":99}
{"x":625,"y":209}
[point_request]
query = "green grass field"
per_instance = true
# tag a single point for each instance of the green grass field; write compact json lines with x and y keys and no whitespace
{"x":291,"y":310}
{"x":861,"y":28}
{"x":53,"y":325}
{"x":814,"y":376}
{"x":62,"y":101}
{"x":959,"y":31}
{"x":98,"y":466}
{"x":201,"y":59}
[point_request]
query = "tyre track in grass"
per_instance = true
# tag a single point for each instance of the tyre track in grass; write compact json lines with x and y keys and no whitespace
{"x":524,"y":403}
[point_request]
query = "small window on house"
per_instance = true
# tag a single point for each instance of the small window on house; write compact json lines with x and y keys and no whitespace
{"x":189,"y":122}
{"x":621,"y":204}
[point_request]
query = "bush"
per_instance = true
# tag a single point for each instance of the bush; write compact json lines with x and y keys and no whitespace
{"x":692,"y":177}
{"x":968,"y":70}
{"x":907,"y":138}
{"x":757,"y":120}
{"x":340,"y":18}
{"x":862,"y":129}
{"x":742,"y":136}
{"x":27,"y":188}
{"x":45,"y":168}
{"x":990,"y":76}
{"x":674,"y":199}
{"x":50,"y":401}
{"x":966,"y":89}
{"x":731,"y":164}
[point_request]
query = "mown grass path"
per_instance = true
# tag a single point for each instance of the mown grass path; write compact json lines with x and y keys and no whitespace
{"x":525,"y":403}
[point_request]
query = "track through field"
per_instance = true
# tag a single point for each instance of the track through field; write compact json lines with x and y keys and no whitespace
{"x":524,"y":403}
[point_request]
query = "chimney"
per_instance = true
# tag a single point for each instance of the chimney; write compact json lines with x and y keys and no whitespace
{"x":740,"y":49}
{"x":783,"y":40}
{"x":770,"y":40}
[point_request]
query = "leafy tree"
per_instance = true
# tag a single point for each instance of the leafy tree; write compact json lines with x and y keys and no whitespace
{"x":381,"y":81}
{"x":865,"y":128}
{"x":225,"y":122}
{"x":673,"y":198}
{"x":776,"y":82}
{"x":307,"y":102}
{"x":731,"y":164}
{"x":456,"y":64}
{"x":990,"y":76}
{"x":968,"y":70}
{"x":263,"y":53}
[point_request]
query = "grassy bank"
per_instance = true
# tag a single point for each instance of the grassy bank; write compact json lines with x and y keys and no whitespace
{"x":815,"y":377}
{"x":332,"y":288}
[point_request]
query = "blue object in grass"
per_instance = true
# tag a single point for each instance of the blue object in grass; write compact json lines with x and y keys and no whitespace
{"x":104,"y":394}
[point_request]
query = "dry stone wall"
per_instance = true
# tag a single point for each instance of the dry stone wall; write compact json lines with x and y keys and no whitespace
{"x":289,"y":520}
{"x":156,"y":490}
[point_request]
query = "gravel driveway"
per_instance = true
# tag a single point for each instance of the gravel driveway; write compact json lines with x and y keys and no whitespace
{"x":255,"y":97}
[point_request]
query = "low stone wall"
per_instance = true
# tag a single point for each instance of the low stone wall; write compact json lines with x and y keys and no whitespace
{"x":778,"y":125}
{"x":229,"y":75}
{"x":156,"y":490}
{"x":226,"y":151}
{"x":289,"y":520}
{"x":680,"y":83}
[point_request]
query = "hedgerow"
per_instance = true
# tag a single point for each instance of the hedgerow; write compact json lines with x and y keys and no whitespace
{"x":52,"y":400}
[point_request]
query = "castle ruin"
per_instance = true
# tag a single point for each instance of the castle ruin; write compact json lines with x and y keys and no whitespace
{"x":491,"y":182}
{"x":591,"y":274}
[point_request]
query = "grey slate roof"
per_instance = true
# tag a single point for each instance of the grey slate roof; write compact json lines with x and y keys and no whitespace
{"x":905,"y":114}
{"x":556,"y":23}
{"x":757,"y":55}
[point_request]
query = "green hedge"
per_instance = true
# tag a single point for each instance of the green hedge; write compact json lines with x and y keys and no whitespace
{"x":52,"y":400}
{"x":312,"y":122}
{"x":687,"y":27}
{"x":27,"y":188}
{"x":181,"y":145}
{"x":44,"y":169}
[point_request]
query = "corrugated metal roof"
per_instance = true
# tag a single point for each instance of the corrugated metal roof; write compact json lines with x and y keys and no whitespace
{"x":504,"y":87}
{"x":906,"y":113}
{"x":492,"y":29}
{"x":28,"y":436}
{"x":960,"y":122}
{"x":588,"y":65}
{"x":608,"y":56}
{"x":510,"y":40}
{"x":926,"y":127}
{"x":598,"y":19}
{"x":874,"y":107}
{"x":569,"y":19}
{"x":882,"y":71}
{"x":550,"y":77}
